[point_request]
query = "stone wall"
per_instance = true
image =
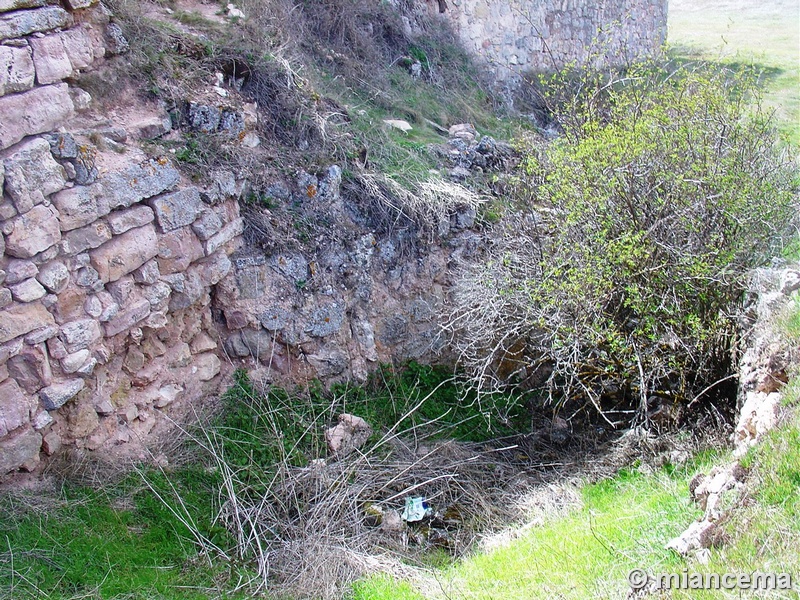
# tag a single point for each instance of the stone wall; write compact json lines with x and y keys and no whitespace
{"x":107,"y":256}
{"x":515,"y":36}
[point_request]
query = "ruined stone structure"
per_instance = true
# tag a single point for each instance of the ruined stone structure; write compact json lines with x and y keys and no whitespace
{"x":126,"y":291}
{"x":515,"y":36}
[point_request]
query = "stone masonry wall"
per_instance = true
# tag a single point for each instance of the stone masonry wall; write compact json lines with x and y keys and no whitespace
{"x":515,"y":36}
{"x":107,"y":258}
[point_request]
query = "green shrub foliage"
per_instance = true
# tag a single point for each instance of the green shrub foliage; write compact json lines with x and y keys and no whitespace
{"x":619,"y":280}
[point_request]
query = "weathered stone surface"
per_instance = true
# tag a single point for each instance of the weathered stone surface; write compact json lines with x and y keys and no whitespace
{"x":128,"y":317}
{"x":31,"y":369}
{"x":7,"y":5}
{"x":20,"y":270}
{"x":21,"y":319}
{"x":37,"y":336}
{"x":206,"y":366}
{"x":56,"y":396}
{"x":15,"y":407}
{"x":27,"y":291}
{"x":86,"y":238}
{"x":83,"y":420}
{"x":326,"y":320}
{"x":157,"y":295}
{"x":177,"y":250}
{"x":18,"y":24}
{"x":41,"y":420}
{"x":19,"y":449}
{"x":78,"y":4}
{"x":213,"y":268}
{"x":73,"y":362}
{"x":50,"y":58}
{"x":147,"y":274}
{"x":36,"y":111}
{"x":7,"y":209}
{"x":121,"y":289}
{"x":110,"y":307}
{"x":230,"y":231}
{"x":207,"y":224}
{"x":139,"y":182}
{"x":349,"y":434}
{"x":92,"y":306}
{"x":80,"y":205}
{"x":155,"y":127}
{"x":124,"y":220}
{"x":202,"y":342}
{"x":51,"y":443}
{"x":125,"y":253}
{"x":274,"y":318}
{"x":115,"y":41}
{"x":54,"y":276}
{"x":193,"y":290}
{"x":177,"y":209}
{"x":80,"y":334}
{"x":5,"y":297}
{"x":79,"y":47}
{"x":31,"y":174}
{"x":167,"y":394}
{"x":34,"y":232}
{"x":16,"y":70}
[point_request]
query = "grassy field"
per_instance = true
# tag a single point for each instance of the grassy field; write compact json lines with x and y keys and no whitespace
{"x":764,"y":33}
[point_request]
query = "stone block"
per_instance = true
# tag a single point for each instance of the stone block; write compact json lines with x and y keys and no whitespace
{"x":50,"y":59}
{"x":86,"y":238}
{"x":147,"y":274}
{"x":128,"y":317}
{"x":15,"y":407}
{"x":207,"y":225}
{"x":73,"y":362}
{"x":16,"y":70}
{"x":35,"y":111}
{"x":228,"y":233}
{"x":34,"y":232}
{"x":19,"y":319}
{"x":31,"y":368}
{"x":27,"y":291}
{"x":177,"y":250}
{"x":7,"y":5}
{"x":21,"y":449}
{"x":38,"y":336}
{"x":125,"y":253}
{"x":54,"y":276}
{"x":31,"y":174}
{"x":213,"y":268}
{"x":20,"y":270}
{"x":78,"y":4}
{"x":202,"y":342}
{"x":177,"y":209}
{"x":206,"y":366}
{"x":82,"y":419}
{"x":22,"y":23}
{"x":55,"y":396}
{"x":80,"y":334}
{"x":5,"y":297}
{"x":80,"y":205}
{"x":138,"y":182}
{"x":79,"y":46}
{"x":121,"y":221}
{"x":51,"y":443}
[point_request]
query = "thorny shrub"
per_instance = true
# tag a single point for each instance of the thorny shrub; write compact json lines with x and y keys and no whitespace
{"x":619,"y":280}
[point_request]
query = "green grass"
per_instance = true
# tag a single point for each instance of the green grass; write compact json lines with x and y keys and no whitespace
{"x":765,"y":34}
{"x":118,"y":542}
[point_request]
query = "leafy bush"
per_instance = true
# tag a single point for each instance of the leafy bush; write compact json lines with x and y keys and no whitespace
{"x":618,"y":281}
